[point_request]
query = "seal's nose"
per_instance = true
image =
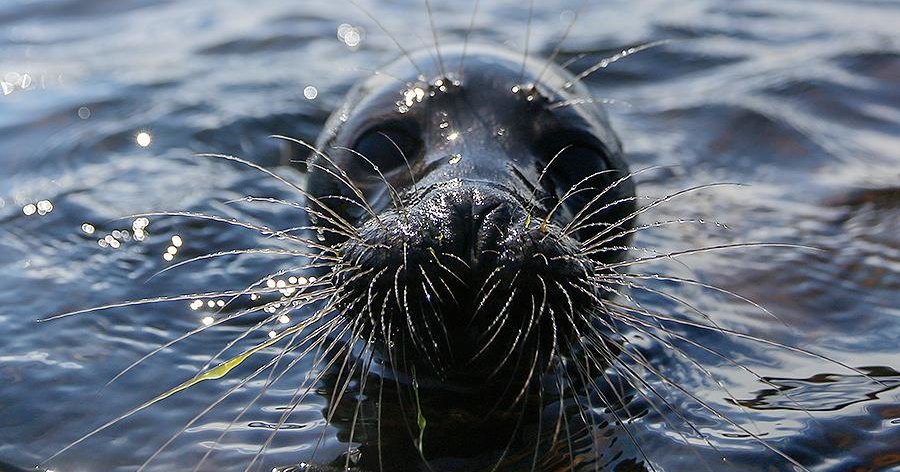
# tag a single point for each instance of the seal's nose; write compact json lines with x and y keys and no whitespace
{"x":473,"y":218}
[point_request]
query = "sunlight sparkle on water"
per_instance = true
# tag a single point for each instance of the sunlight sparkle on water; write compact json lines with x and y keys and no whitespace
{"x":350,"y":35}
{"x":143,"y":139}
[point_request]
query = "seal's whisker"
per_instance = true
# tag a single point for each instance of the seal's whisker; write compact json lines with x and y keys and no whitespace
{"x":532,"y":201}
{"x":588,"y":243}
{"x":698,"y":283}
{"x":501,"y":319}
{"x":322,"y":334}
{"x":687,"y":252}
{"x":271,"y":366}
{"x":417,"y":339}
{"x":393,"y":38}
{"x":585,"y":100}
{"x":295,"y":401}
{"x":643,"y":227}
{"x":512,"y":438}
{"x":344,"y":178}
{"x":714,"y":411}
{"x":589,"y":379}
{"x":539,"y":430}
{"x":465,"y":46}
{"x":551,"y":59}
{"x":337,"y":393}
{"x":147,"y":301}
{"x":669,"y":343}
{"x":276,"y":315}
{"x":573,"y":191}
{"x":363,"y":377}
{"x":580,"y":217}
{"x":665,"y":295}
{"x":526,"y":51}
{"x":434,"y":36}
{"x":277,"y":177}
{"x":428,"y":329}
{"x":263,"y":230}
{"x":629,"y":373}
{"x":412,"y":175}
{"x":625,"y":309}
{"x":378,"y":420}
{"x":251,"y":252}
{"x":647,"y":328}
{"x":396,"y":200}
{"x":611,"y":59}
{"x":192,"y":332}
{"x":338,"y":229}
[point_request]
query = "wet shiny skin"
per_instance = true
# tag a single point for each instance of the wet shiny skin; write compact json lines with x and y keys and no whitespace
{"x":799,"y":102}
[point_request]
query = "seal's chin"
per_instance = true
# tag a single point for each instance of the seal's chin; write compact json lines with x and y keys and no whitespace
{"x":465,"y":283}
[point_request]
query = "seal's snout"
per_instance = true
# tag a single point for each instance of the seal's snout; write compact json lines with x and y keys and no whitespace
{"x":457,"y":274}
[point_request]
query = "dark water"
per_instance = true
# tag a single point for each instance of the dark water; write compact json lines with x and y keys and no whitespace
{"x":798,"y":99}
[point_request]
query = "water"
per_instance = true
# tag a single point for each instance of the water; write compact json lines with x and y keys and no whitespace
{"x":799,"y":100}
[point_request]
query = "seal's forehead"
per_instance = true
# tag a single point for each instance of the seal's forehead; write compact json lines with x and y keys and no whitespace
{"x":473,"y":67}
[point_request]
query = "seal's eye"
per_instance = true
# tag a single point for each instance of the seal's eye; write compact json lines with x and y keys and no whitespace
{"x":388,"y":148}
{"x":574,"y":165}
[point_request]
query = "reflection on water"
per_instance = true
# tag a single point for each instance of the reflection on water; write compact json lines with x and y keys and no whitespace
{"x":104,"y":105}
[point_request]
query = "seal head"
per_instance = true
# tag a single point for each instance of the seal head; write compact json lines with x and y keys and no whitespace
{"x":470,"y":205}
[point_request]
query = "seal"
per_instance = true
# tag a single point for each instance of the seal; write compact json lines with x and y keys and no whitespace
{"x":471,"y":212}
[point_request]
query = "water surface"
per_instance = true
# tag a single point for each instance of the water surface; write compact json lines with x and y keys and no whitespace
{"x":799,"y":100}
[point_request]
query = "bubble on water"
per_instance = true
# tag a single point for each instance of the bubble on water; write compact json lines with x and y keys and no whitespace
{"x":143,"y":139}
{"x":7,"y":87}
{"x":29,"y":209}
{"x":87,"y":228}
{"x":284,"y":319}
{"x":273,"y":334}
{"x":172,"y":250}
{"x":455,"y":158}
{"x":207,"y":320}
{"x":271,"y":283}
{"x":26,"y":81}
{"x":220,"y":303}
{"x":168,"y":257}
{"x":310,"y":92}
{"x":177,"y":241}
{"x":84,"y":113}
{"x":102,"y":243}
{"x":453,"y":136}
